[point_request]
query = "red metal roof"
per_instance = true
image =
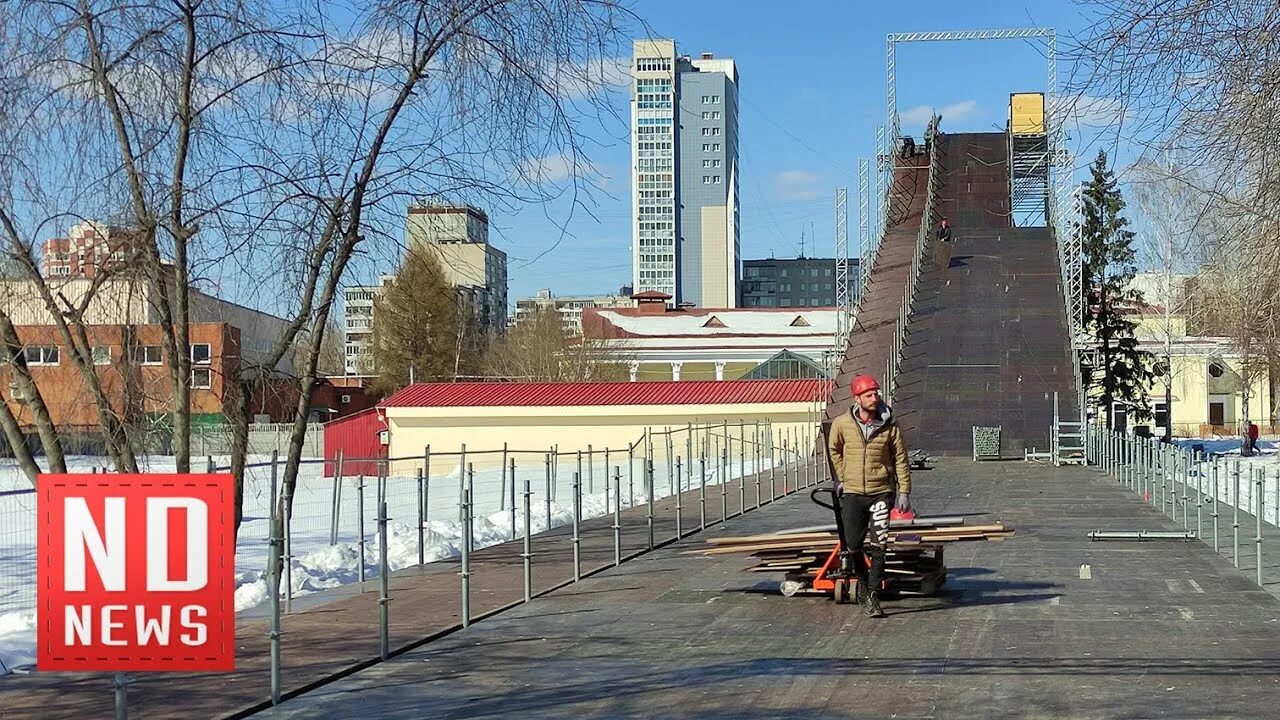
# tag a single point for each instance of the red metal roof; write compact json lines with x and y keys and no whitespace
{"x":686,"y":392}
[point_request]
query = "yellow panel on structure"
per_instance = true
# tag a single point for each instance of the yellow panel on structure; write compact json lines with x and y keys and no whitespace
{"x":1026,"y":113}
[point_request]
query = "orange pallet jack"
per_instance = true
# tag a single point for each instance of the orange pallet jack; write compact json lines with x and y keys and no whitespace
{"x":841,"y":587}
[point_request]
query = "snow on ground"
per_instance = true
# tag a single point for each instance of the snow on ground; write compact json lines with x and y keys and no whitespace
{"x":325,"y":543}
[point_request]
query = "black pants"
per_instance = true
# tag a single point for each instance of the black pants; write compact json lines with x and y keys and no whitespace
{"x":866,"y":531}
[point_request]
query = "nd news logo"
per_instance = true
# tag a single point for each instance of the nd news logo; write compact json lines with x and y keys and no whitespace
{"x":136,"y":572}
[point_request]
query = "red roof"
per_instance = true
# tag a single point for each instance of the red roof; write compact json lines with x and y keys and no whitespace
{"x":687,"y":392}
{"x":651,"y":295}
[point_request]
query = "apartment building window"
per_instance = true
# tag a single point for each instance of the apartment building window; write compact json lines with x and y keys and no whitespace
{"x":706,"y":179}
{"x":716,"y":179}
{"x":784,"y":302}
{"x":706,"y":131}
{"x":715,"y":99}
{"x":147,"y":355}
{"x":706,"y":147}
{"x":706,"y":115}
{"x":201,"y":378}
{"x":200,"y":353}
{"x":715,"y":147}
{"x":715,"y":131}
{"x":101,"y":355}
{"x":706,"y":163}
{"x":41,"y":354}
{"x":706,"y":98}
{"x":715,"y":163}
{"x":784,"y":272}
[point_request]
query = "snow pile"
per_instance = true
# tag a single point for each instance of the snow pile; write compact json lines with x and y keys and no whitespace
{"x":337,"y":565}
{"x":17,"y":640}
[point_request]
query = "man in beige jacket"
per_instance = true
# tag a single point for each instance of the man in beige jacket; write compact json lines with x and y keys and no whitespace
{"x":874,"y":475}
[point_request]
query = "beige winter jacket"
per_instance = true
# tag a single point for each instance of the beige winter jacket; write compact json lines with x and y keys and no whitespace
{"x":869,"y":458}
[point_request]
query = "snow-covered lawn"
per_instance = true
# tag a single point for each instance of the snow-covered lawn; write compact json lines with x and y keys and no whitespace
{"x":318,"y":564}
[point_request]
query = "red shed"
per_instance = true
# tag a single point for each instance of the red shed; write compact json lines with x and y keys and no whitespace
{"x":362,"y":440}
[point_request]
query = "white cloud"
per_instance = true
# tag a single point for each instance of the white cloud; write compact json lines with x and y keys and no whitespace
{"x":797,"y":186}
{"x":921,"y":114}
{"x":555,"y":168}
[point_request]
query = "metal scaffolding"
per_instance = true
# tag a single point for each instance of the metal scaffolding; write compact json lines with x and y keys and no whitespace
{"x":864,"y":226}
{"x":843,"y":301}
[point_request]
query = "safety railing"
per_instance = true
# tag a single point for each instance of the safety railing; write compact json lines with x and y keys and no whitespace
{"x":1229,"y":503}
{"x":893,"y":363}
{"x":355,"y":521}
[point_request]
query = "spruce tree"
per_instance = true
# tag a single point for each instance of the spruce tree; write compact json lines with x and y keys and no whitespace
{"x":1122,"y":372}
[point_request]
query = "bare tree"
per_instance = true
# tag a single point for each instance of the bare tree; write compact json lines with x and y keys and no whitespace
{"x":541,"y":349}
{"x":1199,"y":76}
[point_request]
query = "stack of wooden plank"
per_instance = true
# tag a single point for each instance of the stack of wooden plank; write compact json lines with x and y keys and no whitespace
{"x":913,"y":563}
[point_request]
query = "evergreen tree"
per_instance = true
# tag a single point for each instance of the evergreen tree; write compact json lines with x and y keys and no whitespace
{"x":420,"y":322}
{"x":1122,"y":372}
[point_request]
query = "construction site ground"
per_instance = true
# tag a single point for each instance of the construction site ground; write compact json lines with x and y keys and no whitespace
{"x":1046,"y":624}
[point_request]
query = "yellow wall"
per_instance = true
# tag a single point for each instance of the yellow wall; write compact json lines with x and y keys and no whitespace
{"x":1026,"y":113}
{"x":1192,"y":387}
{"x":536,"y":429}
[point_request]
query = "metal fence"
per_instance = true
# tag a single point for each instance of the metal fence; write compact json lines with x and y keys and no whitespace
{"x":353,"y":529}
{"x":264,"y":439}
{"x":1230,"y":503}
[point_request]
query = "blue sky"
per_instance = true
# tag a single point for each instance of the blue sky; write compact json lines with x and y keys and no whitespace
{"x":812,"y":92}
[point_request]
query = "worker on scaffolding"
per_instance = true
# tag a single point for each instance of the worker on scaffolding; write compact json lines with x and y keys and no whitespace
{"x":873,"y":477}
{"x":944,"y":230}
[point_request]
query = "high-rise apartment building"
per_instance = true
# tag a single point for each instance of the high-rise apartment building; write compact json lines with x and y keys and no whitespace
{"x":797,"y":282}
{"x":684,"y":181}
{"x":459,"y":234}
{"x":90,"y":247}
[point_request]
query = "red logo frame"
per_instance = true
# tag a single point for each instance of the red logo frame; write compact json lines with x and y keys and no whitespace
{"x":136,"y":573}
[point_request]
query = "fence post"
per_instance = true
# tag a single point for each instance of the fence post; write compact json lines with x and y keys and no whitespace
{"x":212,"y":468}
{"x":465,"y":573}
{"x":421,"y":522}
{"x":1216,"y":464}
{"x":288,"y":537}
{"x":724,"y":489}
{"x":1199,"y":461}
{"x":631,"y":476}
{"x":786,"y":469}
{"x":337,"y":500}
{"x":384,"y":572}
{"x":360,"y":512}
{"x":648,"y":489}
{"x":617,"y":516}
{"x":755,"y":461}
{"x":742,"y":470}
{"x":679,"y":508}
{"x":702,"y":490}
{"x":273,"y":588}
{"x":773,"y":466}
{"x":120,"y":685}
{"x":577,"y":526}
{"x":1235,"y":525}
{"x":1261,"y":505}
{"x":591,"y":471}
{"x":462,"y":478}
{"x":513,"y":499}
{"x":671,"y":484}
{"x":527,"y":555}
{"x":502,"y":488}
{"x":688,"y":453}
{"x":547,"y":493}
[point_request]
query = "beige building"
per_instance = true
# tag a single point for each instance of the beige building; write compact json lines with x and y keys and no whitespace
{"x":575,"y":416}
{"x":662,"y":343}
{"x":459,"y":234}
{"x":570,"y":307}
{"x":1207,"y":380}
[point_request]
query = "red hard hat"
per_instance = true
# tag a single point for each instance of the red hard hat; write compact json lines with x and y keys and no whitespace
{"x":864,"y":383}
